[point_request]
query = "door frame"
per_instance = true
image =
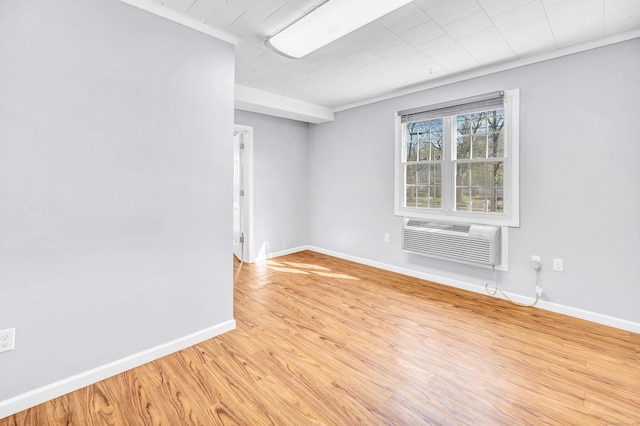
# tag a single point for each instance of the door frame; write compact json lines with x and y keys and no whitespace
{"x":247,"y":210}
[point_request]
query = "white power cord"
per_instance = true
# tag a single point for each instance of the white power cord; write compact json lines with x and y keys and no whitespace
{"x":496,"y":290}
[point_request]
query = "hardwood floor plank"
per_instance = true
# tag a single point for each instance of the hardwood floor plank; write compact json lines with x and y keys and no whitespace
{"x":324,"y":341}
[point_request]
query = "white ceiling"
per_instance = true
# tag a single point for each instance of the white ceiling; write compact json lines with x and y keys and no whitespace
{"x":418,"y":45}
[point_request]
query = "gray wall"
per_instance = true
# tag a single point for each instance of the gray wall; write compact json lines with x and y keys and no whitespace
{"x":579,"y":176}
{"x":115,"y":185}
{"x":280,"y":150}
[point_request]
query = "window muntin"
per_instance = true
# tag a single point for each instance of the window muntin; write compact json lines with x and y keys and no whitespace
{"x":461,"y":165}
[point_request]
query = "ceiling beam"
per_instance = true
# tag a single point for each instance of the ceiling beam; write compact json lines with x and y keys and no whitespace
{"x":260,"y":101}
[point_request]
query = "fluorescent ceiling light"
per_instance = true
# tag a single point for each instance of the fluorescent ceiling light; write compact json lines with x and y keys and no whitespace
{"x":329,"y":22}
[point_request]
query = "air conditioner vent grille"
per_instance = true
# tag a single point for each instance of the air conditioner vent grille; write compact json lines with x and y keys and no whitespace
{"x":457,"y":242}
{"x":456,"y":227}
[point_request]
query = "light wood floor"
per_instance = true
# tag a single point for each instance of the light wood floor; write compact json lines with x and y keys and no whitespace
{"x":325,"y":341}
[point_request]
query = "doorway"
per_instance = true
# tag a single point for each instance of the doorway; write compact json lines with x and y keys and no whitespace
{"x":243,"y":193}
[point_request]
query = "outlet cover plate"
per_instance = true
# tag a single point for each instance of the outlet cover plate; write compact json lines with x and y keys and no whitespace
{"x":7,"y":339}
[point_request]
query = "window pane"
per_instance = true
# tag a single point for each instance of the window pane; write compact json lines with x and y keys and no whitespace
{"x":436,"y":125}
{"x":412,"y":151}
{"x":424,"y":140}
{"x":495,"y":173}
{"x":411,"y":175}
{"x":479,"y":122}
{"x":478,"y":174}
{"x":422,"y":199}
{"x":436,"y":174}
{"x":424,"y":174}
{"x":464,"y":124}
{"x":479,"y":146}
{"x":462,"y":174}
{"x":496,"y":145}
{"x":430,"y":174}
{"x":463,"y":201}
{"x":495,"y":200}
{"x":463,"y":147}
{"x":411,"y":132}
{"x":423,"y":154}
{"x":436,"y":148}
{"x":436,"y":201}
{"x":479,"y":200}
{"x":411,"y":196}
{"x":436,"y":138}
{"x":495,"y":120}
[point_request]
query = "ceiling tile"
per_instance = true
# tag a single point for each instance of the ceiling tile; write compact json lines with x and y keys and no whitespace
{"x":547,"y":3}
{"x":520,"y":16}
{"x":426,"y":4}
{"x":488,"y":47}
{"x":534,"y":29}
{"x":260,"y":9}
{"x":405,"y":18}
{"x":422,"y":33}
{"x":455,"y":59}
{"x":360,"y":58}
{"x":304,"y":5}
{"x":339,"y":49}
{"x":283,"y":17}
{"x":251,"y":28}
{"x":216,"y":13}
{"x":497,"y":58}
{"x":625,"y":20}
{"x":579,"y":28}
{"x":399,"y":52}
{"x":364,"y":32}
{"x":468,"y":25}
{"x":263,"y":19}
{"x":177,"y":5}
{"x":615,"y":6}
{"x":439,"y":45}
{"x":481,"y":40}
{"x":531,"y":46}
{"x":496,"y":7}
{"x":381,"y":40}
{"x":569,"y":9}
{"x":452,"y":10}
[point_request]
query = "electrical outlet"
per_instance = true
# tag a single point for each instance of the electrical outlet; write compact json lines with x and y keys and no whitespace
{"x":386,"y":238}
{"x":535,"y":262}
{"x":7,"y":339}
{"x":558,"y":265}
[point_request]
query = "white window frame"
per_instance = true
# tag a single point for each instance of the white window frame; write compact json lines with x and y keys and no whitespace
{"x":511,"y":214}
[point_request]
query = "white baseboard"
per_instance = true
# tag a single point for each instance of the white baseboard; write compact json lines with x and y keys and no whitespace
{"x":38,"y":396}
{"x":478,"y":288}
{"x":266,"y":256}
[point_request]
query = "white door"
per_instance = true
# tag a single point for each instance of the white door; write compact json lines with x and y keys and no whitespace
{"x":238,"y":196}
{"x":243,"y":193}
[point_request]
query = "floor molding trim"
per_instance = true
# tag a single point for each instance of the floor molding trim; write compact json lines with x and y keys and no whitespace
{"x":45,"y":393}
{"x":595,"y":317}
{"x":268,"y":256}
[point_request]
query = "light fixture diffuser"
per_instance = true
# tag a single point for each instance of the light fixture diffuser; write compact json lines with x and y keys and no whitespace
{"x":329,"y":22}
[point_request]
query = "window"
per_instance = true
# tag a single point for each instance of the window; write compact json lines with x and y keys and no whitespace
{"x":459,"y":160}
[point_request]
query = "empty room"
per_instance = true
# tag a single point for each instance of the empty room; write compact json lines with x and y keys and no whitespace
{"x":327,"y":212}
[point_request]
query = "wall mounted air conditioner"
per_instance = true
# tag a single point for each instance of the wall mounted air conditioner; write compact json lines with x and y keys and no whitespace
{"x":477,"y":244}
